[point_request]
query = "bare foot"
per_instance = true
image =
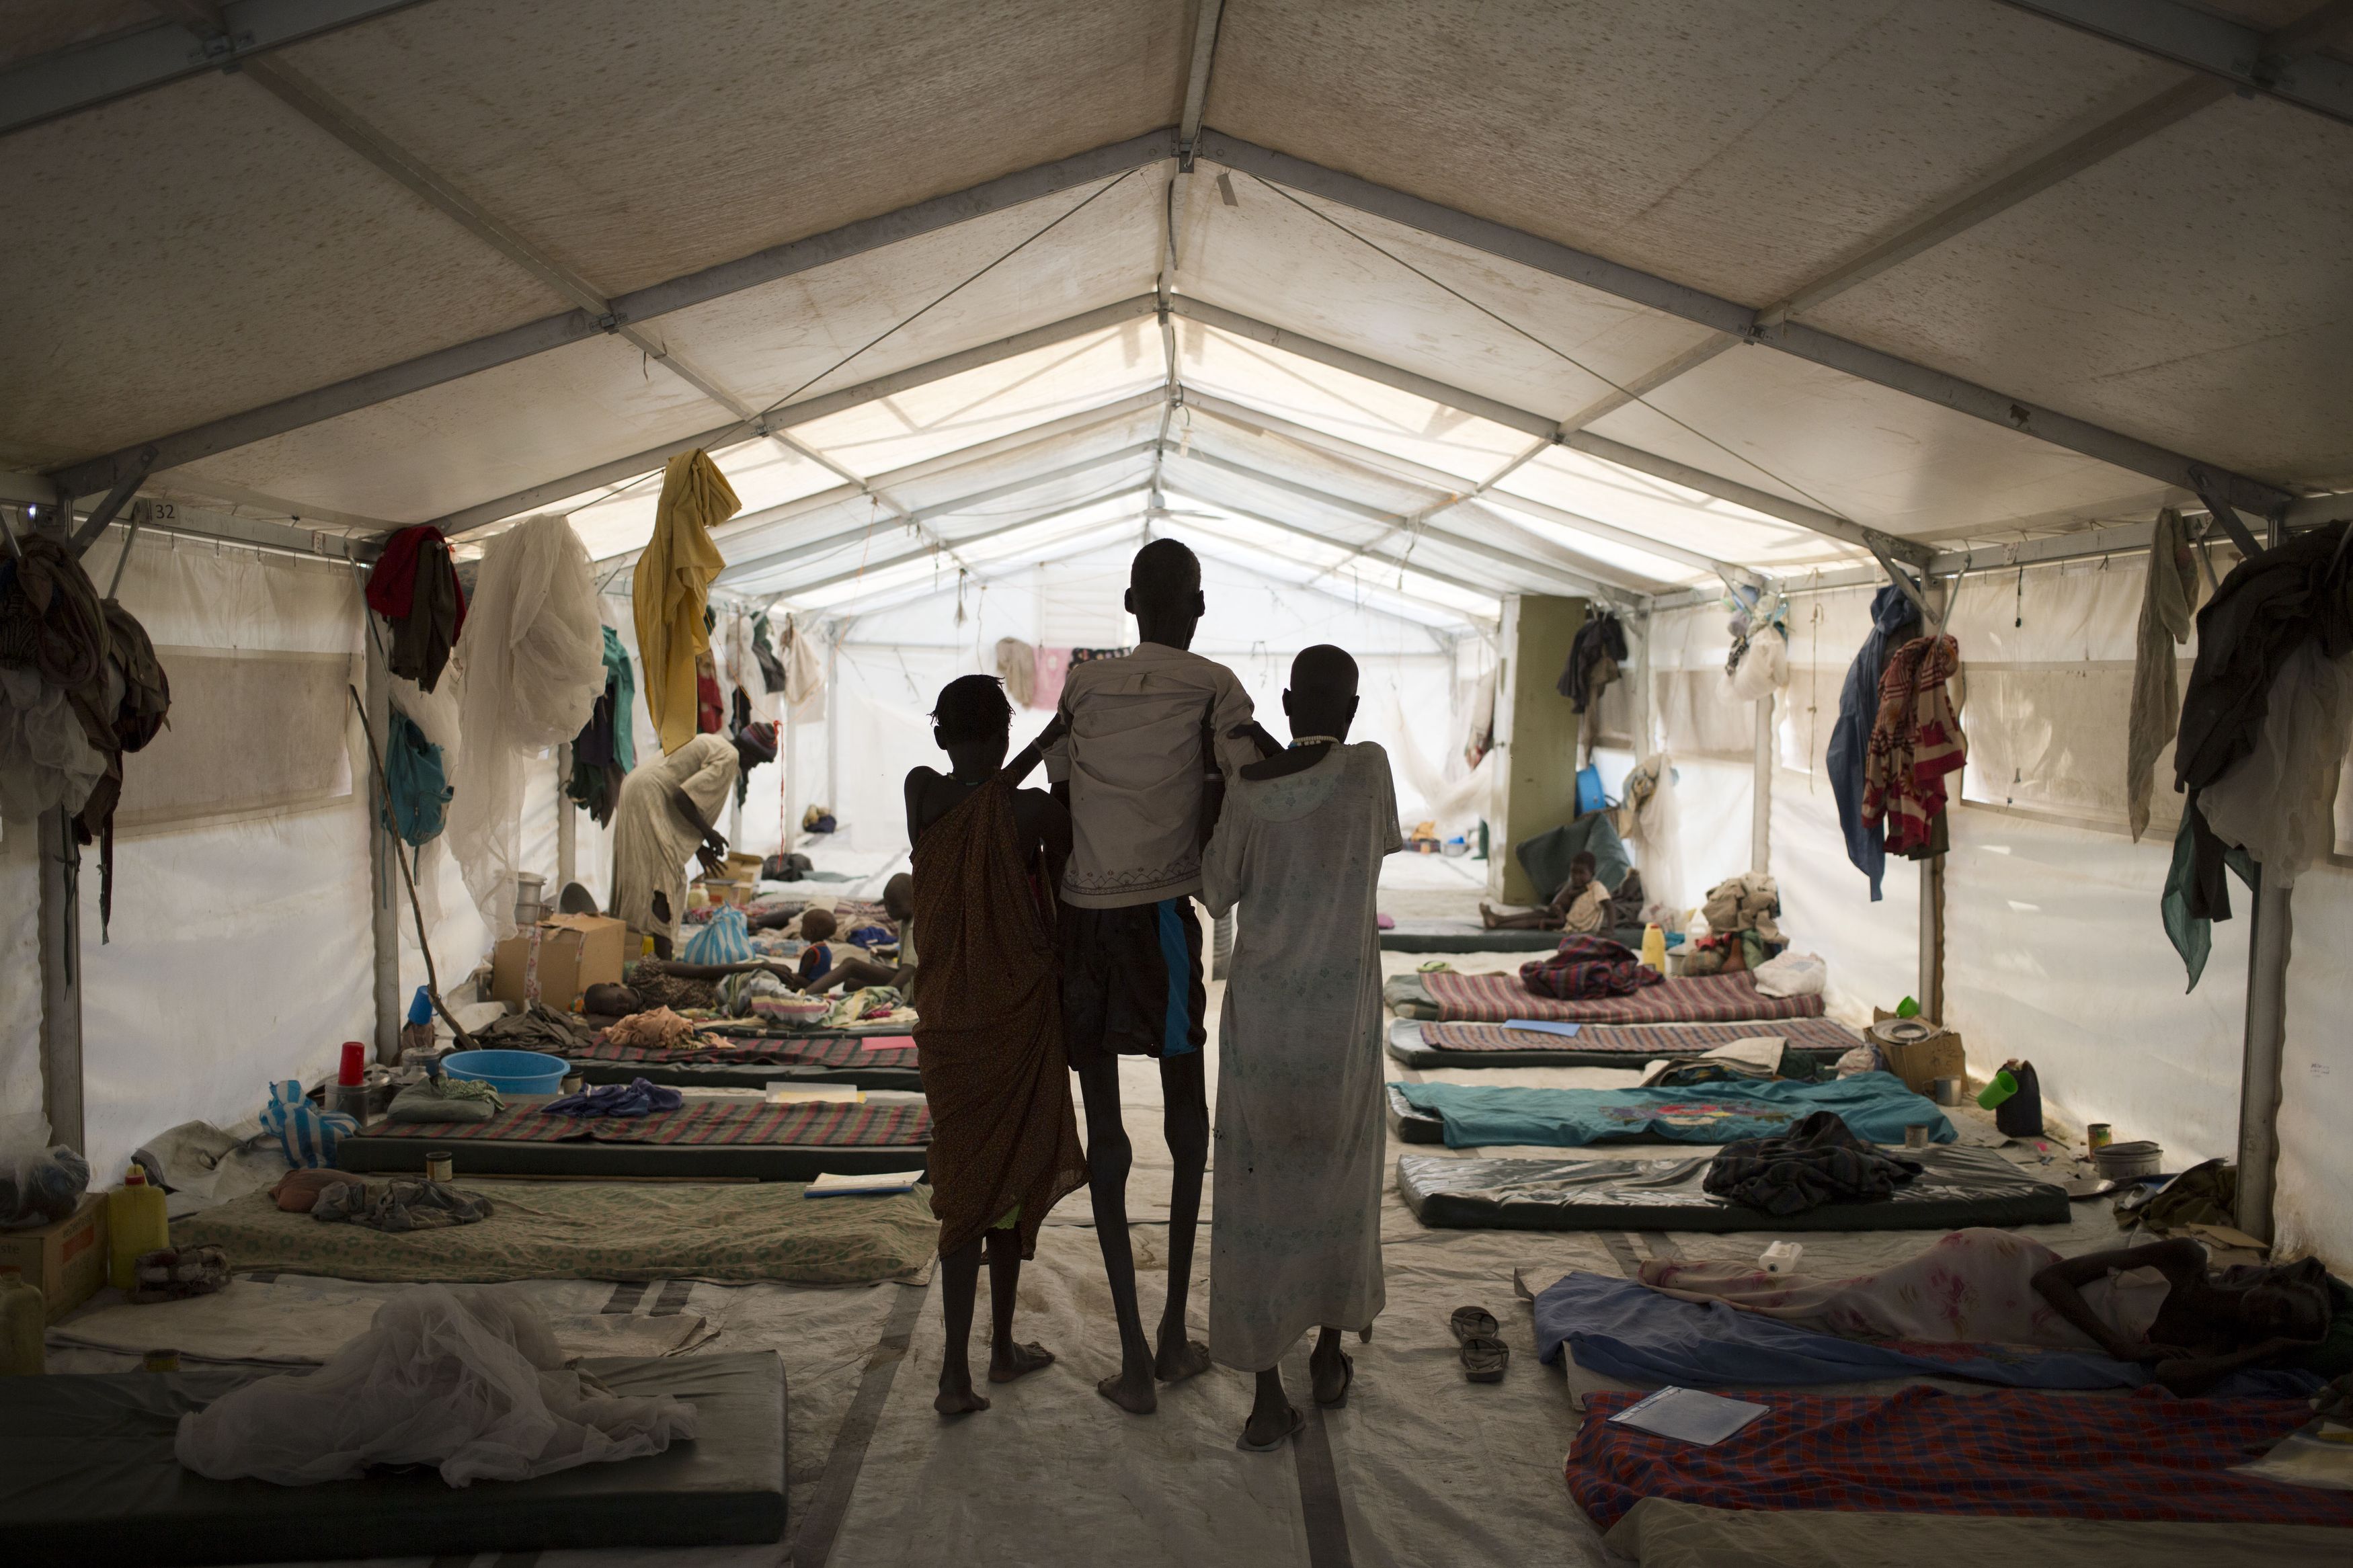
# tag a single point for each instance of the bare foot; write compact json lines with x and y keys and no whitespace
{"x":1132,"y":1392}
{"x":1018,"y":1361}
{"x":1487,"y":917}
{"x":1269,"y":1426}
{"x":1179,"y":1359}
{"x":959,"y":1399}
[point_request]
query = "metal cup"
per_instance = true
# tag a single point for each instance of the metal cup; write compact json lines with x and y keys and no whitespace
{"x":1916,"y":1136}
{"x":1949,"y":1090}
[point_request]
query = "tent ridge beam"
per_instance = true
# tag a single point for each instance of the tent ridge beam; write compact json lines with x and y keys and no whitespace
{"x":1037,"y":520}
{"x":1811,"y":519}
{"x":1722,"y":315}
{"x":808,"y":411}
{"x":551,"y":332}
{"x":85,"y":77}
{"x":2243,"y":56}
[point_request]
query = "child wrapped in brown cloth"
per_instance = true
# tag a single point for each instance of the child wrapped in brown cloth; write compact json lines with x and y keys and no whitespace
{"x":1005,"y":1139}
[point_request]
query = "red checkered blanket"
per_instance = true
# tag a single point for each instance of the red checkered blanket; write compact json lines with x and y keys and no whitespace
{"x":835,"y":1124}
{"x":831,"y":1051}
{"x":1922,"y":1450}
{"x":1644,"y":1040}
{"x":1707,"y":999}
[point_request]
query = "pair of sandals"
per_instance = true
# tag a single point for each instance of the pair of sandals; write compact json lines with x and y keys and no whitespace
{"x":1485,"y":1354}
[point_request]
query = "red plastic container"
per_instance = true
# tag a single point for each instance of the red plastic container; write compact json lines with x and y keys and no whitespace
{"x":354,"y":1069}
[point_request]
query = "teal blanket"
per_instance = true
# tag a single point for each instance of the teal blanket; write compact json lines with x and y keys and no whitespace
{"x":1875,"y":1105}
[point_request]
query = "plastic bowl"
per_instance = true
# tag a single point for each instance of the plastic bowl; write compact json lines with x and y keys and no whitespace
{"x":510,"y":1072}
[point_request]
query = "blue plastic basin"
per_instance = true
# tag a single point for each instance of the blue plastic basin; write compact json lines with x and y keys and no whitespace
{"x":510,"y":1072}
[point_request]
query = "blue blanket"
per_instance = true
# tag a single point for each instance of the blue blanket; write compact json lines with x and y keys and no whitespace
{"x":1621,"y":1328}
{"x":1873,"y":1105}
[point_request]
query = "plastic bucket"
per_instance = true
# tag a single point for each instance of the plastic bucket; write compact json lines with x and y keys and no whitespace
{"x":510,"y":1072}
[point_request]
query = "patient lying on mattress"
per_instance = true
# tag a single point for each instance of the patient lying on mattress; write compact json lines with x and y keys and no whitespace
{"x":2153,"y":1304}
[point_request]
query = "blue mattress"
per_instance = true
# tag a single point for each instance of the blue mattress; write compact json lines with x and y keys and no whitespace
{"x":1875,"y":1105}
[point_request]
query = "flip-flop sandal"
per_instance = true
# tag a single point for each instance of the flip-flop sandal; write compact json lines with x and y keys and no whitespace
{"x":1247,"y":1446}
{"x":1347,"y":1376}
{"x":1483,"y":1359}
{"x":1473,"y":1323}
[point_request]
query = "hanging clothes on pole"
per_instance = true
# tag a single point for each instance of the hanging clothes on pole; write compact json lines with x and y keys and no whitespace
{"x":1595,"y":654}
{"x":670,"y":590}
{"x":804,"y":674}
{"x":605,"y":749}
{"x":1894,"y":620}
{"x":414,"y":586}
{"x":1915,"y":742}
{"x":2166,"y":605}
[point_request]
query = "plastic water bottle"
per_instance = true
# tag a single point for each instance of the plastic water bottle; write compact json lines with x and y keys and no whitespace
{"x":135,"y":1223}
{"x":23,"y":1328}
{"x":1654,"y":948}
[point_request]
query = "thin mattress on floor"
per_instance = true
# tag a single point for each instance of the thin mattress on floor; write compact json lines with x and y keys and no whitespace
{"x":2014,"y":1452}
{"x":731,"y":1232}
{"x":1875,"y":1106}
{"x":876,"y":1061}
{"x":1705,"y":999}
{"x":700,"y":1138}
{"x":1463,"y":936}
{"x":92,"y":1478}
{"x":1623,"y":1330}
{"x":1434,"y":1045}
{"x":1659,"y":1532}
{"x":1957,"y":1187}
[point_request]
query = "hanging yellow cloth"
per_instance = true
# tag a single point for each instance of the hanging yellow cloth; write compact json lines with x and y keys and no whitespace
{"x":672,"y":585}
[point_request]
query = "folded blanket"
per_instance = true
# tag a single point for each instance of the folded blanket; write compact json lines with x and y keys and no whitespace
{"x":1586,"y":966}
{"x":1819,"y":1162}
{"x":445,"y":1100}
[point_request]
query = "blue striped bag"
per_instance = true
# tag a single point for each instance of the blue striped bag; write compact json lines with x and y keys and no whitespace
{"x":308,"y":1134}
{"x":724,"y":938}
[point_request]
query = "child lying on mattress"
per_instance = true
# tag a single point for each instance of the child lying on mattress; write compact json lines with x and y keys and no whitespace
{"x":2153,"y":1304}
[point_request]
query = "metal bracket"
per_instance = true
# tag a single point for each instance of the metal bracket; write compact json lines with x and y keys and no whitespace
{"x":1896,"y":575}
{"x":103,"y":513}
{"x":2211,"y":494}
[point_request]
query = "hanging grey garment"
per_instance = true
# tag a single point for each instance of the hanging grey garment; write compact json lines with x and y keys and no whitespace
{"x":2166,"y":606}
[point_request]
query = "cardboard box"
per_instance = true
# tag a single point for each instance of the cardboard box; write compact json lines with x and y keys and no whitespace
{"x":66,"y":1261}
{"x":573,"y":952}
{"x":1921,"y":1063}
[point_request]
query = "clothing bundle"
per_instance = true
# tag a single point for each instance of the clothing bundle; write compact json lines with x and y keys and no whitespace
{"x":1588,"y":966}
{"x":534,"y":659}
{"x":1914,"y":743}
{"x":1017,"y":666}
{"x":1750,"y":901}
{"x":413,"y":586}
{"x":1758,"y":662}
{"x":537,"y":1027}
{"x":418,"y":781}
{"x":400,"y":1206}
{"x":670,"y":590}
{"x":445,"y":1099}
{"x":656,"y":1028}
{"x":1894,"y":620}
{"x":1595,"y":654}
{"x":177,"y":1274}
{"x":80,"y":687}
{"x":2264,"y":725}
{"x":635,"y":1098}
{"x":724,"y":938}
{"x":607,"y":747}
{"x":1819,"y":1161}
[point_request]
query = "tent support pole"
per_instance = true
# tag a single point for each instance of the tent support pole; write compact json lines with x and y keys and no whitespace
{"x":567,"y":824}
{"x":2266,"y":1041}
{"x":792,"y":818}
{"x":383,"y":884}
{"x":1934,"y":598}
{"x":60,"y":915}
{"x":1760,"y":807}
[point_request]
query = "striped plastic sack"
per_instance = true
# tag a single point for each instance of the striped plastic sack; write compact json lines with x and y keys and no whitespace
{"x":725,"y":938}
{"x":308,"y":1134}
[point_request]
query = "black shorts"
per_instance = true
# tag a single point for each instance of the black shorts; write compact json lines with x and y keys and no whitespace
{"x":1120,"y":996}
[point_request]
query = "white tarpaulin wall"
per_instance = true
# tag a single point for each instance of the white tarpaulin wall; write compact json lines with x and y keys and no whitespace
{"x":241,"y":948}
{"x":2052,"y":947}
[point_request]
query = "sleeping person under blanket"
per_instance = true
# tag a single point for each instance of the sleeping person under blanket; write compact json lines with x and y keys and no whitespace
{"x":2156,"y":1304}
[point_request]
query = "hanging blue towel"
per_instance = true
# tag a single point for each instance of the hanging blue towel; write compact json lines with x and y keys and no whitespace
{"x":418,"y":781}
{"x":1875,"y":1105}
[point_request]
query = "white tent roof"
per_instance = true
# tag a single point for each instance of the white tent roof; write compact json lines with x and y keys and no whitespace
{"x":1591,"y":297}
